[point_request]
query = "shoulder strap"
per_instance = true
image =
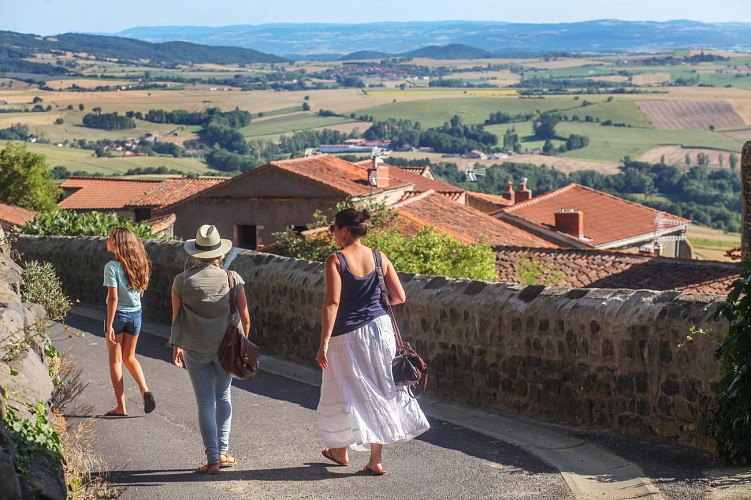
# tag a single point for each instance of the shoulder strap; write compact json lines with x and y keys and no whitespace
{"x":385,"y":296}
{"x":232,"y":293}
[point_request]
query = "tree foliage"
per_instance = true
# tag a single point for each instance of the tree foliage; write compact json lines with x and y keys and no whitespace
{"x":69,"y":223}
{"x":25,"y":180}
{"x":731,"y":410}
{"x":427,"y":252}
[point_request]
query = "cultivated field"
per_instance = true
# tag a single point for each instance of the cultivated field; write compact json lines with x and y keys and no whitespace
{"x":678,"y":114}
{"x":711,"y":244}
{"x":676,"y":155}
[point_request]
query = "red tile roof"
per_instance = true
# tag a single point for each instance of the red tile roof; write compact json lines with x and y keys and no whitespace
{"x":420,"y":183}
{"x":94,"y":193}
{"x":463,"y":222}
{"x":488,"y":203}
{"x":15,"y":216}
{"x":172,"y":190}
{"x":345,"y":177}
{"x":607,"y":219}
{"x":583,"y":268}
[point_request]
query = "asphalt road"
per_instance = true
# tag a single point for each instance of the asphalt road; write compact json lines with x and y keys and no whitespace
{"x":275,"y":438}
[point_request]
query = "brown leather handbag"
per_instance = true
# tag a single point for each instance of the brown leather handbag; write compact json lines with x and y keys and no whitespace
{"x":237,"y":354}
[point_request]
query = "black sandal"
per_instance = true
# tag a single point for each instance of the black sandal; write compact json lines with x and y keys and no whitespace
{"x":149,"y":403}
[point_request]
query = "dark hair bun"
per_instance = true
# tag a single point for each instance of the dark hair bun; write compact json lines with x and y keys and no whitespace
{"x":365,"y":214}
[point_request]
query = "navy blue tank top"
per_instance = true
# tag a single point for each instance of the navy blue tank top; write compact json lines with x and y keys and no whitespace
{"x":359,"y":302}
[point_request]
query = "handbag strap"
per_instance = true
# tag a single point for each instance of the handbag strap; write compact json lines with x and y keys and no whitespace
{"x":385,"y":296}
{"x":232,"y":294}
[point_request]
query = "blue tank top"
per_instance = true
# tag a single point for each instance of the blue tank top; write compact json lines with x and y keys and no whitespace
{"x":360,"y":300}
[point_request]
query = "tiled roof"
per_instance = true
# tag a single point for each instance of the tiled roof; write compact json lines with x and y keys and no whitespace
{"x":171,"y":191}
{"x":607,"y":218}
{"x":421,"y":171}
{"x":604,"y":269}
{"x":420,"y":183}
{"x":14,"y":215}
{"x":463,"y":222}
{"x":487,"y":203}
{"x":162,"y":223}
{"x":95,"y":193}
{"x":346,"y":177}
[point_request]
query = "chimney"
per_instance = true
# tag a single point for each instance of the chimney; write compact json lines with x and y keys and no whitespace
{"x":509,"y":193}
{"x":378,"y":175}
{"x":522,"y":194}
{"x":746,"y":201}
{"x":570,"y":221}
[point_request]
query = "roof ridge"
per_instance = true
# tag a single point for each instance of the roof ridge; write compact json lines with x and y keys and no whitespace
{"x":542,"y":197}
{"x":412,"y":199}
{"x":109,"y":179}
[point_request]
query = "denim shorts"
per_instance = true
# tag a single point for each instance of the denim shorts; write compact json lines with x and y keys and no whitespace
{"x":127,"y":322}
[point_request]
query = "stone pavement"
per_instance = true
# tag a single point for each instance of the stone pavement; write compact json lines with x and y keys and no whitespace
{"x":468,"y":453}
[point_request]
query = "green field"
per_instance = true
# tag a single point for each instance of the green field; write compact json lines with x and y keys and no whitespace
{"x":472,"y":110}
{"x":81,"y":159}
{"x":614,"y":143}
{"x":294,"y":122}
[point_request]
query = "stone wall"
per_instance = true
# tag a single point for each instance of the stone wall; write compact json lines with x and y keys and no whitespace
{"x":596,"y":358}
{"x":24,"y":380}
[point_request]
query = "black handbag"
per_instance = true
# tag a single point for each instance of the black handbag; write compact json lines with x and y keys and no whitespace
{"x":407,"y":367}
{"x":237,"y":355}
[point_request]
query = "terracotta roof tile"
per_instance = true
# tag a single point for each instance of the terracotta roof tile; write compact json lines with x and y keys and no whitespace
{"x":93,"y":193}
{"x":488,"y":203}
{"x":607,"y":218}
{"x":171,"y":191}
{"x":420,"y":183}
{"x":463,"y":222}
{"x":603,"y":269}
{"x":15,"y":216}
{"x":346,"y":177}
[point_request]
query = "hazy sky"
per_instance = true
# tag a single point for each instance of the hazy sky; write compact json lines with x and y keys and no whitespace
{"x":48,"y":17}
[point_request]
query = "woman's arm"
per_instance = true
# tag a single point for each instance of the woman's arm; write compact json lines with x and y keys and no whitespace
{"x":242,"y":310}
{"x":330,"y":306}
{"x":393,"y":285}
{"x":111,"y":309}
{"x":177,"y":353}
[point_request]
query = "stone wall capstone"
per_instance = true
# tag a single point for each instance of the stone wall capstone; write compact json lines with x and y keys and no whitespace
{"x":614,"y":360}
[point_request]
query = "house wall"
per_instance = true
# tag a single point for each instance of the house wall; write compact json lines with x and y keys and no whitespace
{"x":614,"y":360}
{"x":269,"y":215}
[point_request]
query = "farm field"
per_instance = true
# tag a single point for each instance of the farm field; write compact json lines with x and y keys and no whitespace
{"x":676,"y":155}
{"x":81,"y":159}
{"x":294,"y":122}
{"x":690,"y":114}
{"x":711,"y":244}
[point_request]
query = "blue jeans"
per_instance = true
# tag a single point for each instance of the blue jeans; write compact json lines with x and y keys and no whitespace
{"x":127,"y":322}
{"x":211,"y":385}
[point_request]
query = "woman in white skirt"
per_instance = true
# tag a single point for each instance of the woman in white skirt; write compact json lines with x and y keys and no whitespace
{"x":360,"y":406}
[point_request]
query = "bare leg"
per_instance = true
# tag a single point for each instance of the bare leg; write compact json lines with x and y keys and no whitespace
{"x":115,"y":354}
{"x":131,"y":363}
{"x":374,"y":464}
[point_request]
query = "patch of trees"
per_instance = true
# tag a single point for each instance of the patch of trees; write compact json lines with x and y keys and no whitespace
{"x":16,"y":132}
{"x":504,"y":117}
{"x":232,"y":119}
{"x":455,"y":137}
{"x":108,"y":121}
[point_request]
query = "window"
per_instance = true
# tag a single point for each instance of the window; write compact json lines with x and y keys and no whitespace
{"x":247,"y":236}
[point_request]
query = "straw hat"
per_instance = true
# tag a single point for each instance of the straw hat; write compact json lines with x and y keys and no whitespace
{"x":208,"y":243}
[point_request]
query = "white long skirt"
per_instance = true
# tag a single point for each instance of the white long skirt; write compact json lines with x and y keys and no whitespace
{"x":359,"y":402}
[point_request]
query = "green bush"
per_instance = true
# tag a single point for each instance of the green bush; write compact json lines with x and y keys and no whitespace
{"x":731,"y":410}
{"x":427,"y":252}
{"x":42,"y":286}
{"x":32,"y":439}
{"x":69,"y":223}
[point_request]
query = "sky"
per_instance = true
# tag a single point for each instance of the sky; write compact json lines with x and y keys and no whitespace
{"x":52,"y":17}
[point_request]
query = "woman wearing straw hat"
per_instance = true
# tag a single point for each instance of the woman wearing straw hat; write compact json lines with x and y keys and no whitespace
{"x":200,"y":314}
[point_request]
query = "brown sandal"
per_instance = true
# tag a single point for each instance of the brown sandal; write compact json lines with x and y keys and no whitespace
{"x":206,"y":469}
{"x":227,"y":460}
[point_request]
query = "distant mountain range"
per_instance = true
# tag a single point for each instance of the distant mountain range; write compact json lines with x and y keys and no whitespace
{"x":334,"y":41}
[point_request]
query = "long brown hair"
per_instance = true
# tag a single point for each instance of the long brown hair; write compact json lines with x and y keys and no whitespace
{"x":130,"y":253}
